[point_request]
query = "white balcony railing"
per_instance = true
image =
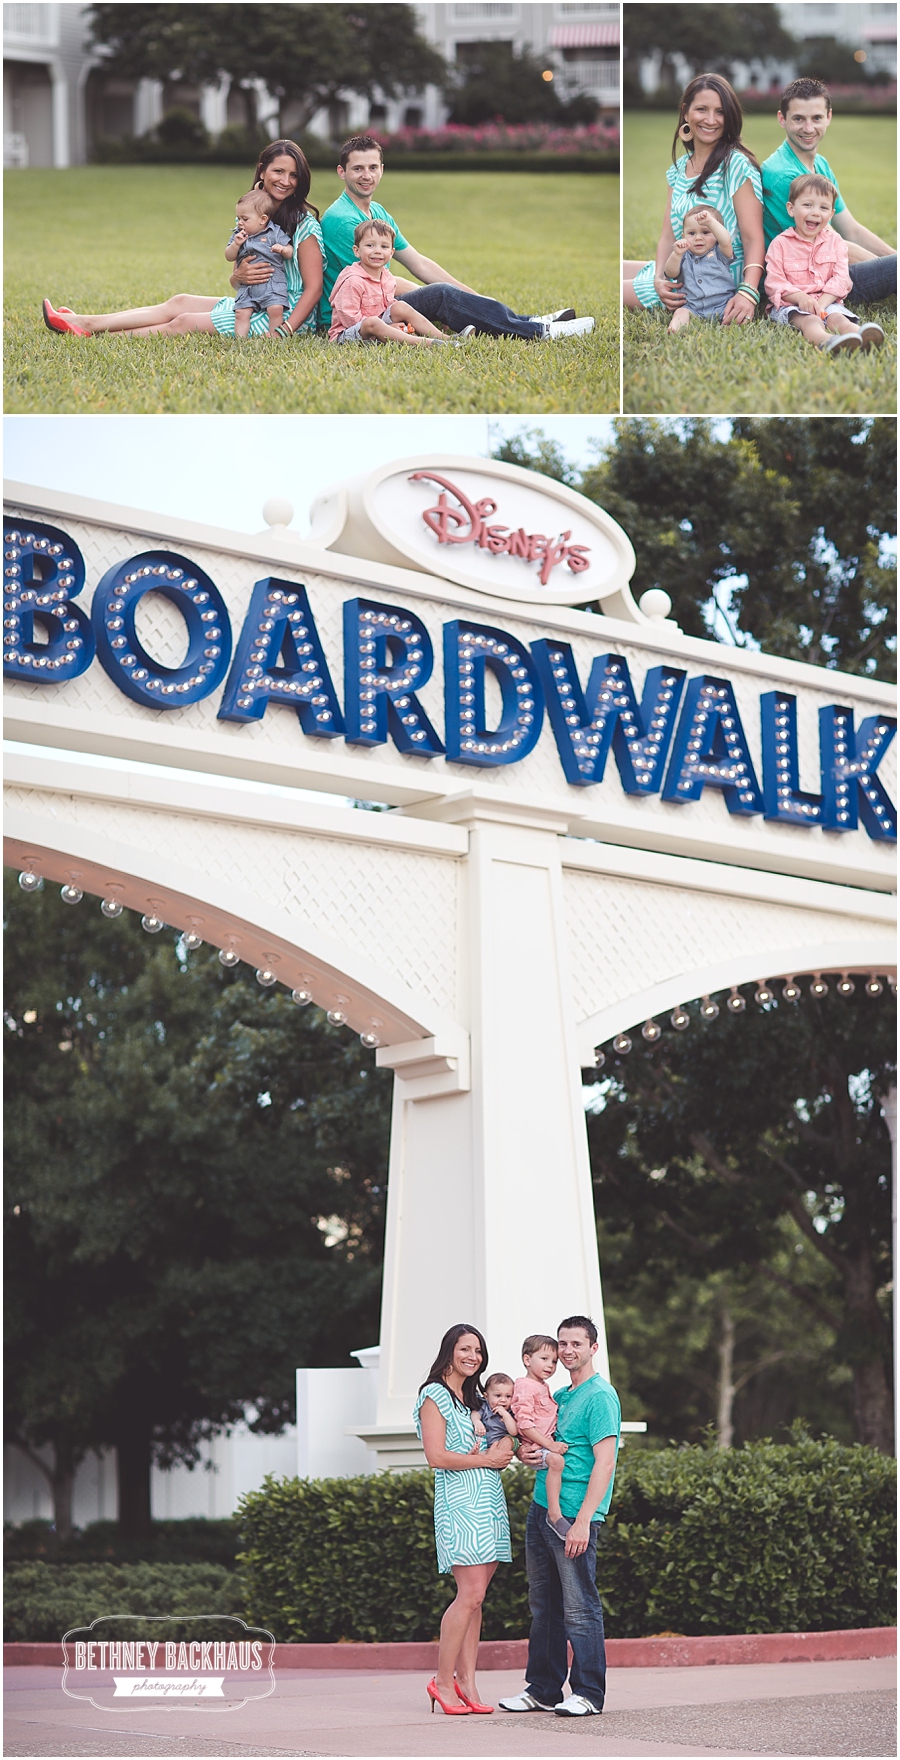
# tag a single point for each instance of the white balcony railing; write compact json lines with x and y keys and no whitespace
{"x":31,"y":27}
{"x":593,"y":76}
{"x":490,"y":10}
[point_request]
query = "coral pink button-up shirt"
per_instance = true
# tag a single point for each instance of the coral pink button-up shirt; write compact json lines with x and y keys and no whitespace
{"x":355,"y":295}
{"x":818,"y":267}
{"x":533,"y":1404}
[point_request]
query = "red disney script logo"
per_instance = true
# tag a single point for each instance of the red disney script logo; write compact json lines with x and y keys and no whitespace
{"x":465,"y":522}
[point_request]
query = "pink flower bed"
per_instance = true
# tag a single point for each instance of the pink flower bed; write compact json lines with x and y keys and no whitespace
{"x":878,"y":96}
{"x":501,"y":137}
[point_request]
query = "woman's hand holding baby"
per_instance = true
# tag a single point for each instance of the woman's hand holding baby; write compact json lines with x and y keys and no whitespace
{"x":499,"y":1454}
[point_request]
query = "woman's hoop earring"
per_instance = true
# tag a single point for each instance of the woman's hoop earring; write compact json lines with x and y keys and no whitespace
{"x":685,"y":131}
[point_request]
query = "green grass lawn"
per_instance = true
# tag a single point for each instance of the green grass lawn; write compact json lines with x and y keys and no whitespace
{"x":131,"y":235}
{"x":758,"y":370}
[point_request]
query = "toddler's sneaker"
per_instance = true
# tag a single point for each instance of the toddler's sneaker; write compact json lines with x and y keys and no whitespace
{"x":846,"y":344}
{"x":560,"y":1527}
{"x":871,"y":335}
{"x":569,"y":327}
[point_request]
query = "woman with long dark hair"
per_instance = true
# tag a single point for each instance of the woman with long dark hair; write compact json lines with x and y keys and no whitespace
{"x":283,"y":172}
{"x":715,"y":168}
{"x":471,"y":1525}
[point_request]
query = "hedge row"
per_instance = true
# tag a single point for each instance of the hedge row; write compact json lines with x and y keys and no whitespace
{"x":767,"y":1538}
{"x":42,"y":1601}
{"x":193,"y":1540}
{"x":794,"y":1537}
{"x":135,"y":153}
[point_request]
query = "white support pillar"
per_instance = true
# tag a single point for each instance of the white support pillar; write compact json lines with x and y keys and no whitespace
{"x":60,"y":117}
{"x":148,"y":105}
{"x":214,"y":105}
{"x":490,"y":1211}
{"x":888,"y":1104}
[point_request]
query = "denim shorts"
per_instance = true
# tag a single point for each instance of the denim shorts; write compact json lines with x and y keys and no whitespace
{"x":782,"y":314}
{"x":353,"y":334}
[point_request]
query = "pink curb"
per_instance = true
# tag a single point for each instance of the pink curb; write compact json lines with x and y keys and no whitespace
{"x":673,"y":1652}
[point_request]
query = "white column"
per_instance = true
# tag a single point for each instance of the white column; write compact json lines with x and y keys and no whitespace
{"x":490,"y":1211}
{"x":148,"y":105}
{"x":888,"y":1104}
{"x":214,"y":105}
{"x":60,"y":117}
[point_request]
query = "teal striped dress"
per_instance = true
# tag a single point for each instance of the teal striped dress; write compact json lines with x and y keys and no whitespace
{"x":471,"y":1524}
{"x":223,"y":314}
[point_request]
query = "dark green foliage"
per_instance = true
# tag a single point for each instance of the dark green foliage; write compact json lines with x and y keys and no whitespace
{"x":174,"y":1138}
{"x":498,"y":82}
{"x":792,"y":1537}
{"x":305,"y":55}
{"x":707,"y":1141}
{"x":43,"y":1601}
{"x":768,"y":1538}
{"x":192,"y":1540}
{"x":711,"y":39}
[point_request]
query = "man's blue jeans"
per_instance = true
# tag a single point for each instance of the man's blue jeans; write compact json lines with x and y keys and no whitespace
{"x":875,"y":279}
{"x":448,"y":305}
{"x":562,"y":1595}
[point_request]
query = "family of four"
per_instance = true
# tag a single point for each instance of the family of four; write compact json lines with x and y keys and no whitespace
{"x":469,"y":1428}
{"x":737,"y":233}
{"x":293,"y":273}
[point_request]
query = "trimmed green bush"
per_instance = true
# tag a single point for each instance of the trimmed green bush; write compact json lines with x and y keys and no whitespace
{"x":43,"y":1601}
{"x":790,"y":1537}
{"x":193,"y":1540}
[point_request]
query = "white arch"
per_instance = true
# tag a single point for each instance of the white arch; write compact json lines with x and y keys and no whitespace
{"x":873,"y":951}
{"x":372,"y":999}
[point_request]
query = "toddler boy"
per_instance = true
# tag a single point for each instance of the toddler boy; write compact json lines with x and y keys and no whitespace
{"x":535,"y":1412}
{"x":808,"y":274}
{"x":364,"y":303}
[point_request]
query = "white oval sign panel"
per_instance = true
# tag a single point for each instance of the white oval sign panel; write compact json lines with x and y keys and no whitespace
{"x":493,"y":527}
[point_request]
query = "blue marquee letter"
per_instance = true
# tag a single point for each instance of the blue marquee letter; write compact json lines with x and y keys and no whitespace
{"x":850,"y":759}
{"x":470,"y":650}
{"x":711,"y":749}
{"x":123,"y":656}
{"x":586,"y":723}
{"x":280,"y":622}
{"x":43,"y":571}
{"x":388,"y":656}
{"x":784,"y":801}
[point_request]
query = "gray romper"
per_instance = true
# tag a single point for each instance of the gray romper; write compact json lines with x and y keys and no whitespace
{"x":708,"y":283}
{"x":263,"y":294}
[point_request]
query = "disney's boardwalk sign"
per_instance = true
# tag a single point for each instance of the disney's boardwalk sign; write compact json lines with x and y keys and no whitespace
{"x":282,"y":658}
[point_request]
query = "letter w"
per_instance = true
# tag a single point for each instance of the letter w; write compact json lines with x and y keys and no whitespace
{"x":587,"y":722}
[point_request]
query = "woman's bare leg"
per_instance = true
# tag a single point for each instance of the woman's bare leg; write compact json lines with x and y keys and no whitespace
{"x":184,"y":325}
{"x":144,"y":318}
{"x":457,"y":1654}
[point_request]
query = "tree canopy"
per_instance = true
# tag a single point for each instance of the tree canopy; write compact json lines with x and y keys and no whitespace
{"x":194,"y":1193}
{"x":711,"y":39}
{"x":499,"y":82}
{"x":305,"y":55}
{"x":787,"y":525}
{"x":709,"y":1141}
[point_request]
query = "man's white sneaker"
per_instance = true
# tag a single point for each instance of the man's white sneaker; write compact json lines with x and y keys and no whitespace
{"x":463,"y":336}
{"x":523,"y":1702}
{"x":575,"y":1706}
{"x":562,"y":316}
{"x":573,"y":327}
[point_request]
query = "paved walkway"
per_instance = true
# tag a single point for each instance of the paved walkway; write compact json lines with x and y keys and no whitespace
{"x":781,"y":1709}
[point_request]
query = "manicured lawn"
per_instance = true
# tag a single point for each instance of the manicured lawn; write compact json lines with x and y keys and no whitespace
{"x":759,"y":370}
{"x":113,"y":237}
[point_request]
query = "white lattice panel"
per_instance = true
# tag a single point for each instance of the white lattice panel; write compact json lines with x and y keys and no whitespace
{"x":397,"y":907}
{"x":626,"y":936}
{"x":278,"y":735}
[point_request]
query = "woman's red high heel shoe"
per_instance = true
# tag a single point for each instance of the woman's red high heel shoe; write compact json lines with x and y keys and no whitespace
{"x":473,"y":1704}
{"x":59,"y":323}
{"x":448,"y":1710}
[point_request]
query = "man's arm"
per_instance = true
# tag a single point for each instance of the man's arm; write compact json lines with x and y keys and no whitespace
{"x":857,"y":234}
{"x":601,"y":1472}
{"x":425,"y":269}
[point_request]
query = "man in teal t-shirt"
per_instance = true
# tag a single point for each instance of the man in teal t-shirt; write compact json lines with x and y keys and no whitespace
{"x":562,"y":1566}
{"x":805,"y":115}
{"x":442,"y":298}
